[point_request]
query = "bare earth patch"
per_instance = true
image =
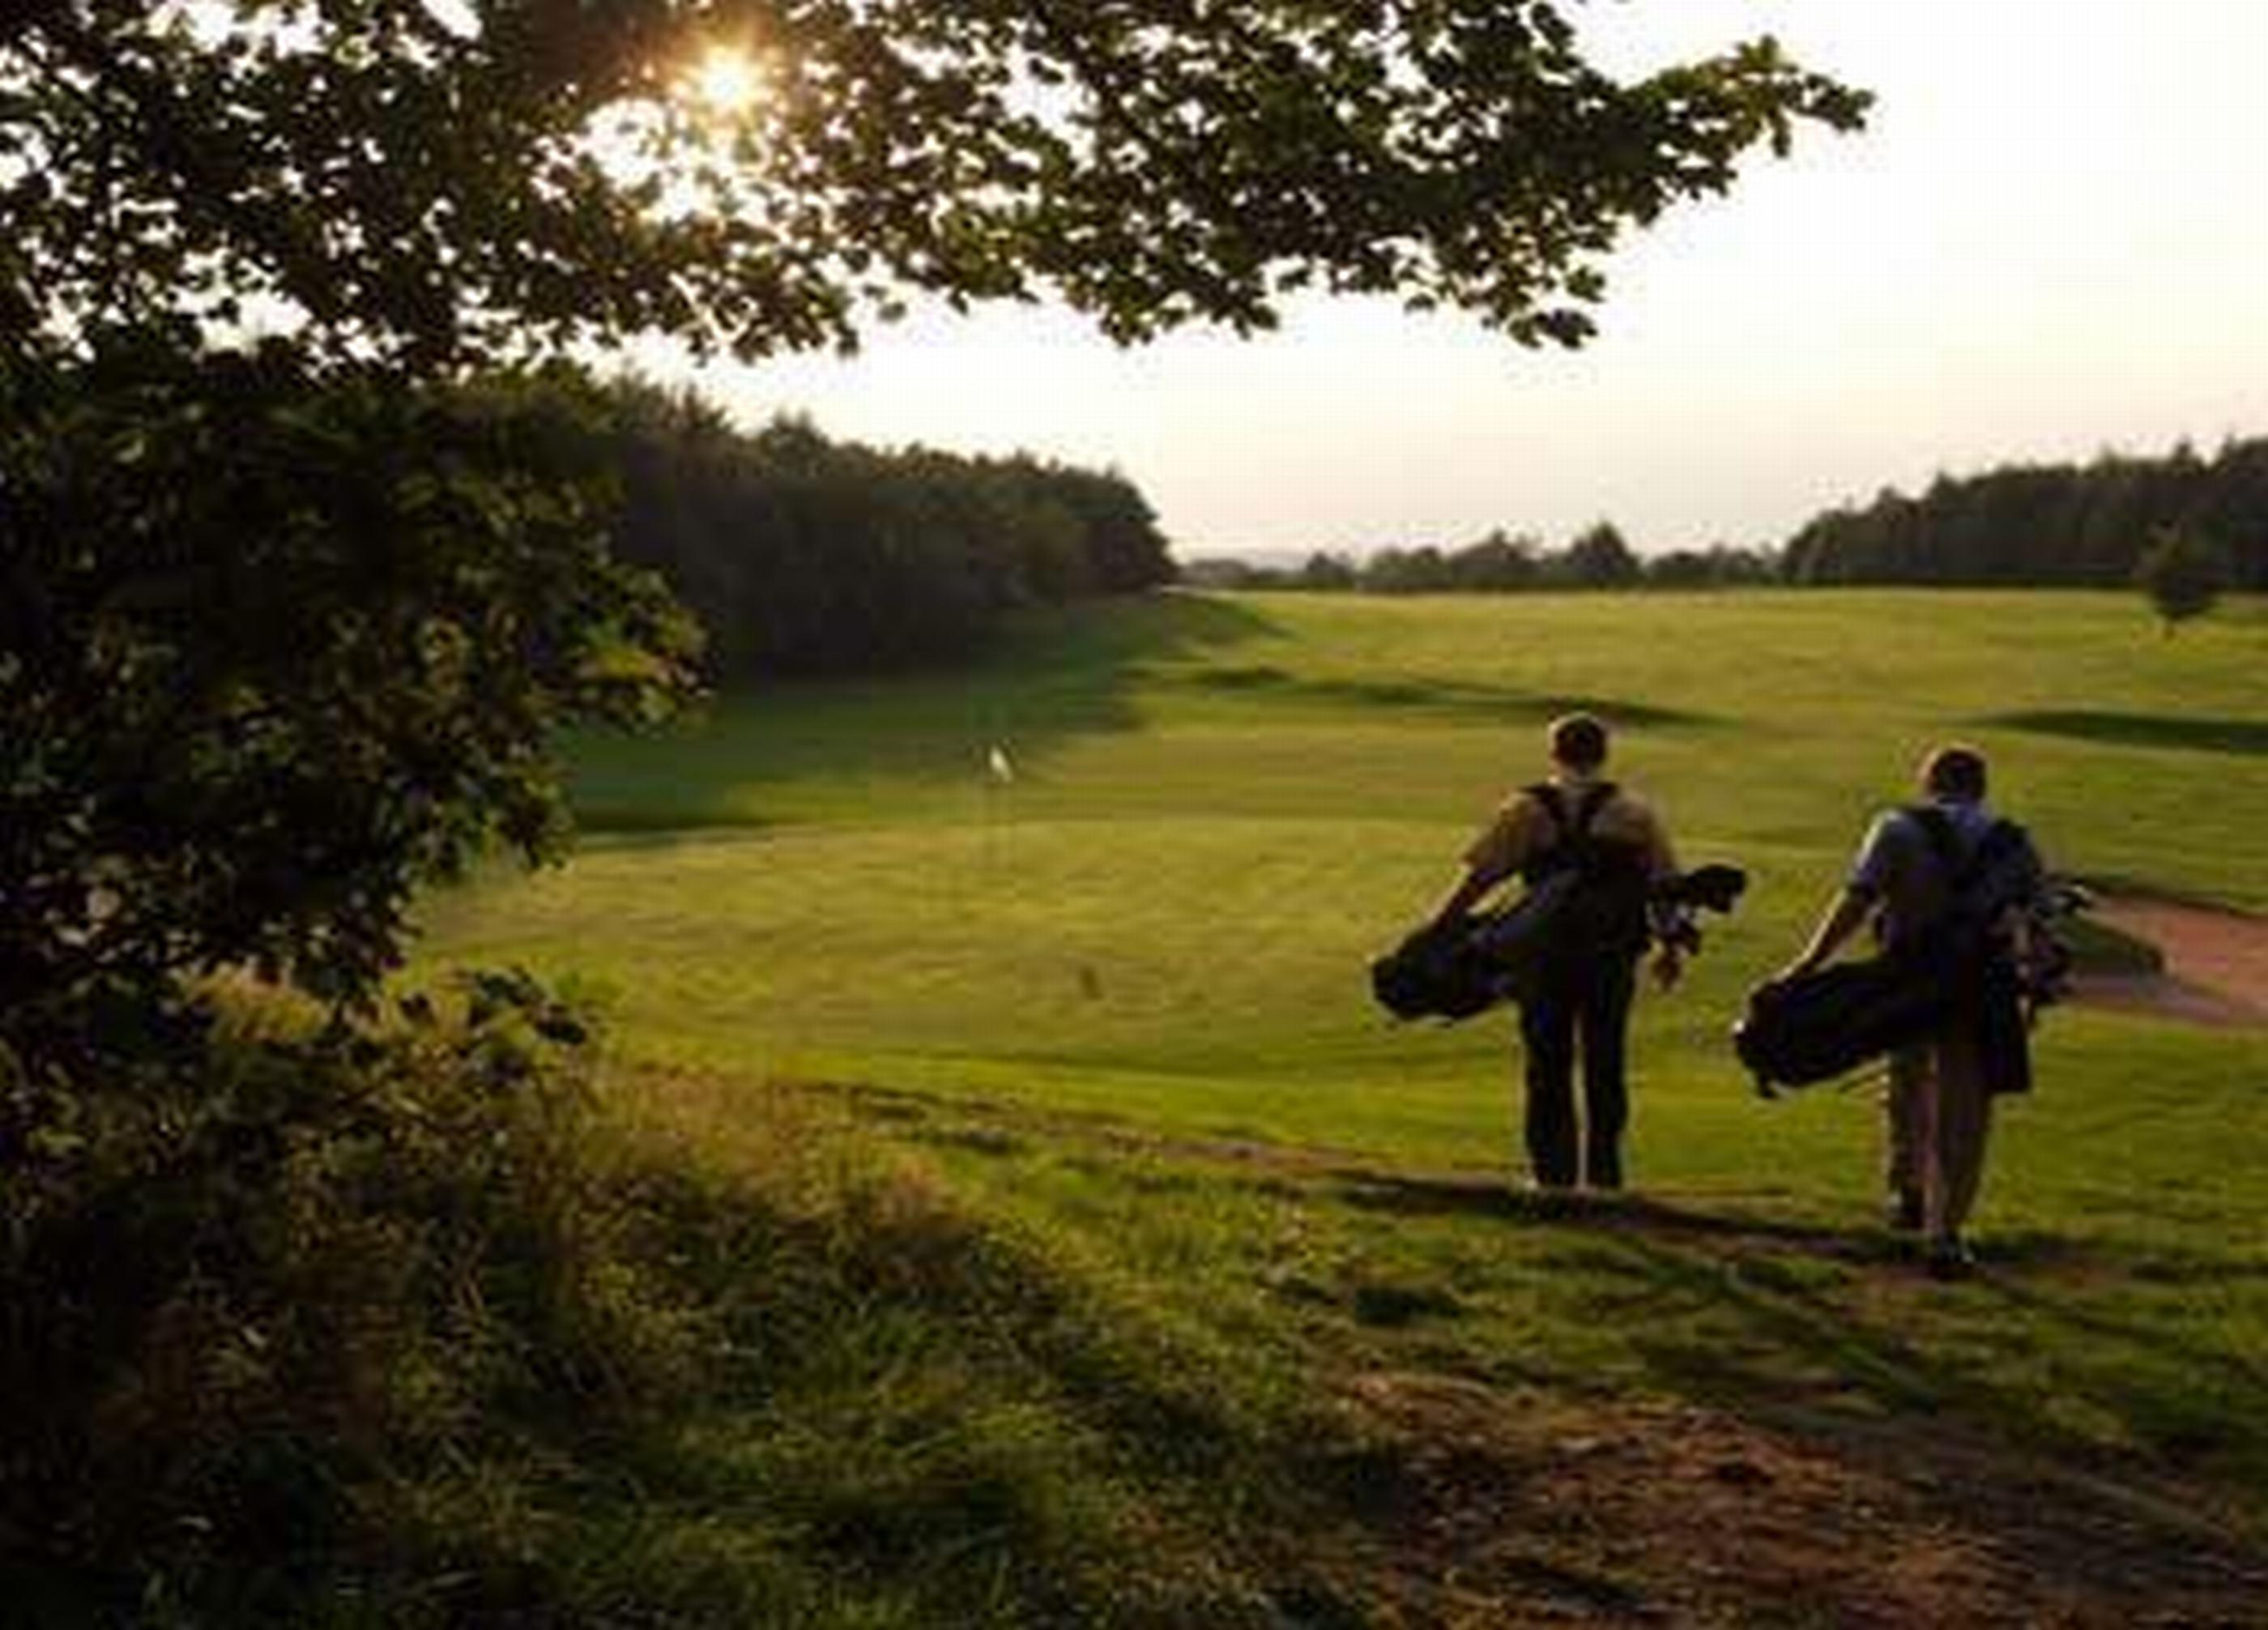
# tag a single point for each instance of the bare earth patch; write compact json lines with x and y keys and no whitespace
{"x":1504,"y":1511}
{"x":2216,"y":963}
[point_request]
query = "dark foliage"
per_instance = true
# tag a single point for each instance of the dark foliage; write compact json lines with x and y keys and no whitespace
{"x":242,"y":1299}
{"x":279,"y":642}
{"x":424,"y":177}
{"x":2183,"y":573}
{"x":2047,"y":525}
{"x":802,"y":555}
{"x":1600,"y":558}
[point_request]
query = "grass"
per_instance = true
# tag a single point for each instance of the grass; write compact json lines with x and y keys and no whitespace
{"x":1116,"y":1009}
{"x":1169,"y":909}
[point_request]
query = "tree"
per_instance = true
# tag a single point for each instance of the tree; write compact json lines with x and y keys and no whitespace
{"x":1600,"y":560}
{"x":1498,"y":562}
{"x":2183,"y":573}
{"x":2059,"y":524}
{"x":336,"y":596}
{"x":1423,"y":569}
{"x":440,"y":181}
{"x":275,"y":646}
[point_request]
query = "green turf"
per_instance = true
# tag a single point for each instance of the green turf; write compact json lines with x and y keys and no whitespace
{"x":1222,"y":807}
{"x":1080,"y":993}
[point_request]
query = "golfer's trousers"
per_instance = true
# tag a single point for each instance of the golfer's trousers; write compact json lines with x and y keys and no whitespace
{"x":1941,"y":1113}
{"x":1588,"y":1004}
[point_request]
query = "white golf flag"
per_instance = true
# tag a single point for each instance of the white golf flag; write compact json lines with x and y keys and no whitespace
{"x":997,"y":761}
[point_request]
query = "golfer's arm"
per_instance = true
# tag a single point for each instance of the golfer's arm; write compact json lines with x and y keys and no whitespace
{"x":1660,"y":853}
{"x":1665,"y":916}
{"x":1494,"y":856}
{"x":1471,"y":889}
{"x":1840,"y":921}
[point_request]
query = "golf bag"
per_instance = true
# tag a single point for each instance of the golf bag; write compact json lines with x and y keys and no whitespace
{"x":1956,"y":973}
{"x":1828,"y":1022}
{"x":1454,"y":969}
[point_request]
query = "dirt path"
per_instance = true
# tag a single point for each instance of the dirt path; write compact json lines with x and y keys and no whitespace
{"x":1500,"y":1512}
{"x":2216,"y":963}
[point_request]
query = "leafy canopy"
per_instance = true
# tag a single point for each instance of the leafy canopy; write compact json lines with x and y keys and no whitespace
{"x":276,"y":645}
{"x":441,"y":182}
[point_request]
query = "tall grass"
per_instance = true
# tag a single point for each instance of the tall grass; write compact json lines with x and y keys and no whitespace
{"x":407,"y":1329}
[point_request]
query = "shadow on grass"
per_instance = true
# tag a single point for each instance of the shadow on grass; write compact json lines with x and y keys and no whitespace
{"x":2245,"y":737}
{"x":1501,"y":702}
{"x":1889,"y":1378}
{"x":1833,"y":1334}
{"x":2067,"y":1365}
{"x":2098,"y":948}
{"x":2235,"y":1371}
{"x":1898,"y":1380}
{"x":2076,"y":1402}
{"x":1056,"y":676}
{"x":1625,"y":1213}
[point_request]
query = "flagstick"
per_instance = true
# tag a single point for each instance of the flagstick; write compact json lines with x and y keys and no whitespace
{"x":999,"y":775}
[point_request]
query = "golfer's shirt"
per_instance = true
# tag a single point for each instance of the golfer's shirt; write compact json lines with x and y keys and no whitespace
{"x":1523,"y":829}
{"x":1898,"y":867}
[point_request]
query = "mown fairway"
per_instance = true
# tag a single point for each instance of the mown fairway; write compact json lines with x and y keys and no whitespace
{"x":1222,"y":807}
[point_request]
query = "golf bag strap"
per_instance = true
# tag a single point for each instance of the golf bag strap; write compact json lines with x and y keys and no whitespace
{"x":1594,"y":800}
{"x":1963,"y":871}
{"x":1944,"y":841}
{"x":1570,"y":827}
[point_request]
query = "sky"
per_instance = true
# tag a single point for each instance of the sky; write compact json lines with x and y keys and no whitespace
{"x":2048,"y":242}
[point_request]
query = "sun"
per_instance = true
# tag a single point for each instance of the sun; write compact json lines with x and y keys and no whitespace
{"x":725,"y":80}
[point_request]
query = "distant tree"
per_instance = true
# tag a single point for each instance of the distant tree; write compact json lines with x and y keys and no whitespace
{"x":2045,"y":524}
{"x":1327,"y":574}
{"x":1217,"y":572}
{"x":1497,"y":563}
{"x":1730,"y":565}
{"x":1117,"y":529}
{"x":2183,"y":573}
{"x":2235,"y":510}
{"x":1681,"y":568}
{"x":1600,"y":558}
{"x":1423,"y":569}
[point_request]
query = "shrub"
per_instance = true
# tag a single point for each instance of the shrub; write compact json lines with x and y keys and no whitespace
{"x":2183,"y":573}
{"x":241,"y":1300}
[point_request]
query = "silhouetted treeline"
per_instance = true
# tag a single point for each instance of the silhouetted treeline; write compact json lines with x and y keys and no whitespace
{"x":803,"y":555}
{"x":2047,"y":525}
{"x":1501,"y":563}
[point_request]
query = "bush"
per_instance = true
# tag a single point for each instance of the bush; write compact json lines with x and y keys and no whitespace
{"x":2183,"y":573}
{"x":246,"y":1304}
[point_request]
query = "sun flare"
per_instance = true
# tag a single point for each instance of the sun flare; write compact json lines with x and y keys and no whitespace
{"x":725,"y":80}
